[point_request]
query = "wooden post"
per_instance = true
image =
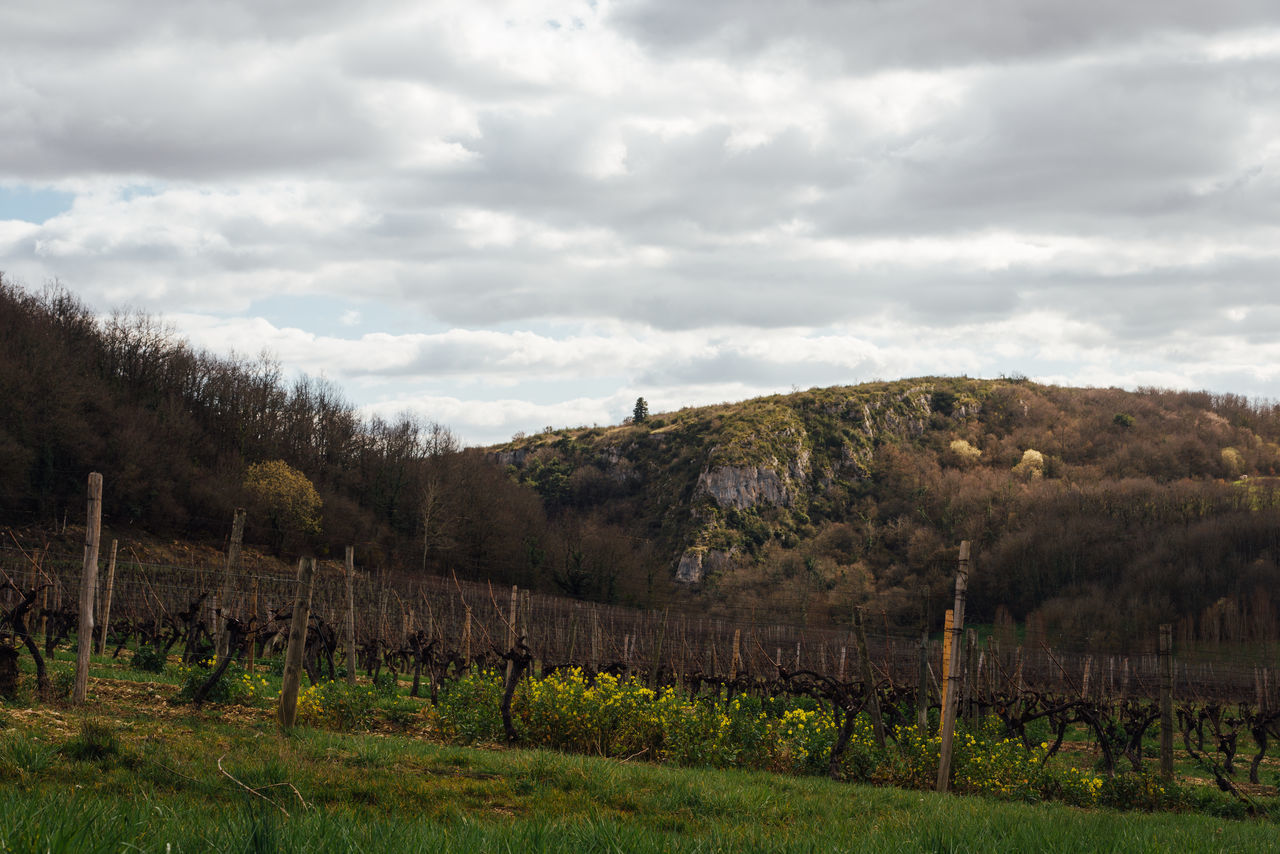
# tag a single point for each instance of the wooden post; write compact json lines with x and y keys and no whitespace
{"x":511,"y":628}
{"x":106,"y":605}
{"x":221,"y":606}
{"x":466,"y":639}
{"x":349,"y":635}
{"x":1166,"y":701}
{"x":735,"y":663}
{"x":948,"y":624}
{"x":922,"y":694}
{"x":253,"y":624}
{"x":868,"y":679}
{"x":657,"y":653}
{"x":44,"y":598}
{"x":297,"y":642}
{"x":595,"y":640}
{"x":88,"y":588}
{"x":952,"y":684}
{"x":971,"y":676}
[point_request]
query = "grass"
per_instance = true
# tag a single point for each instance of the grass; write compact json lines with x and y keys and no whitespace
{"x":322,"y":792}
{"x":120,"y":776}
{"x":129,"y":772}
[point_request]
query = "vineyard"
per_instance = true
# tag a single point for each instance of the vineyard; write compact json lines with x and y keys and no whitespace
{"x":437,"y":631}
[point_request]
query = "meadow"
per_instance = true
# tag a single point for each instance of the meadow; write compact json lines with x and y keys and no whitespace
{"x":606,"y":766}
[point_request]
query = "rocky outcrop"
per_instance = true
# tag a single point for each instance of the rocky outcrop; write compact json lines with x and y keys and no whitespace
{"x":742,"y":487}
{"x":696,"y":564}
{"x":514,"y":457}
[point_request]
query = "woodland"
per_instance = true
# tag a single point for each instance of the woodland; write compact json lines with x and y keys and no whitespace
{"x":1095,"y":514}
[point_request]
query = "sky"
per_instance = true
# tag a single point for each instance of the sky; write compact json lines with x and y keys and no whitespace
{"x":503,"y":216}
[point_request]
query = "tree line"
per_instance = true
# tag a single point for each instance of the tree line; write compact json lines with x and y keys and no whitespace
{"x":176,"y":430}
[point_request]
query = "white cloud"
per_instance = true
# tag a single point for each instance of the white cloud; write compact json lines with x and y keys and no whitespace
{"x":542,"y":210}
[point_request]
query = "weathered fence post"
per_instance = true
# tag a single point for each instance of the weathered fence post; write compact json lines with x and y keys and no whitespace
{"x":1166,"y":701}
{"x":922,"y":693}
{"x":297,"y":642}
{"x":224,"y":592}
{"x":948,"y":623}
{"x":106,"y":605}
{"x":971,"y":676}
{"x":952,"y":686}
{"x":512,"y":633}
{"x":597,"y":640}
{"x":868,"y":679}
{"x":253,"y":626}
{"x":466,"y":638}
{"x":88,"y":587}
{"x":349,"y":636}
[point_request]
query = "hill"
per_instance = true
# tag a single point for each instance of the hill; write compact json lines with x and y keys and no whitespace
{"x":1095,"y":512}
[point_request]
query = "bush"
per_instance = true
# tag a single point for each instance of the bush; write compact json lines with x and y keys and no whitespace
{"x":337,"y":705}
{"x":1137,"y":791}
{"x":385,"y":684}
{"x":148,"y":658}
{"x":64,"y":681}
{"x":468,"y":710}
{"x":234,"y":686}
{"x":964,"y":453}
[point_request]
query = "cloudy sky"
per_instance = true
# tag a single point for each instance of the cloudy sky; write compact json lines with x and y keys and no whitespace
{"x":510,"y":215}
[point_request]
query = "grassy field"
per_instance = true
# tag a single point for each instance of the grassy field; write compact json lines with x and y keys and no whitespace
{"x":131,"y":771}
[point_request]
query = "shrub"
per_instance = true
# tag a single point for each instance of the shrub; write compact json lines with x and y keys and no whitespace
{"x":1032,"y":464}
{"x":467,"y":710}
{"x":385,"y":684}
{"x":148,"y":658}
{"x":337,"y":705}
{"x":234,"y":686}
{"x":1232,"y":461}
{"x":1137,"y":791}
{"x":964,"y":453}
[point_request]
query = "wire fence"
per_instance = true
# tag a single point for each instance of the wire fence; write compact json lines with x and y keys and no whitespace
{"x":477,"y":622}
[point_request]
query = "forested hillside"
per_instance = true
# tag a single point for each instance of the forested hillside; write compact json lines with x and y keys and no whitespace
{"x":175,"y":432}
{"x":1096,"y":513}
{"x":1093,"y":512}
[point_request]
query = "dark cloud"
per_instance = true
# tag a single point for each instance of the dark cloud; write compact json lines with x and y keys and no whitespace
{"x":871,"y":34}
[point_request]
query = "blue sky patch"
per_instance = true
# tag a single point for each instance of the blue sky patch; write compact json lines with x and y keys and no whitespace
{"x":32,"y":204}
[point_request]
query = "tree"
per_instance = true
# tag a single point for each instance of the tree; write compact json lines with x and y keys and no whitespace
{"x":286,"y":496}
{"x":438,"y":484}
{"x":641,"y":412}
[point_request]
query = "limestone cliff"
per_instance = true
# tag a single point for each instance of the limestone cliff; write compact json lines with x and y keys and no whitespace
{"x":714,"y":483}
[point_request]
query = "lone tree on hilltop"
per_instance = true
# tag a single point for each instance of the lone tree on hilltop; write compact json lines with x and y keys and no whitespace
{"x":641,"y":412}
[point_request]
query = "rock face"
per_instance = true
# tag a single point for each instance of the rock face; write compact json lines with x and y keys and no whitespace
{"x":514,"y":457}
{"x":695,"y":564}
{"x":742,"y":487}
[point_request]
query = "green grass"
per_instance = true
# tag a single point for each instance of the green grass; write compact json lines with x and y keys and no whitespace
{"x":182,"y":783}
{"x":129,"y":772}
